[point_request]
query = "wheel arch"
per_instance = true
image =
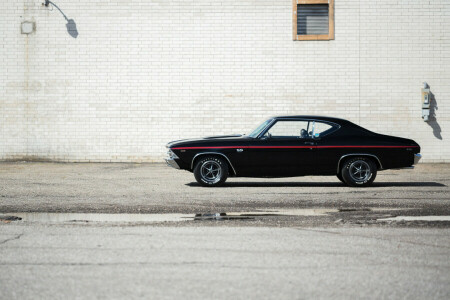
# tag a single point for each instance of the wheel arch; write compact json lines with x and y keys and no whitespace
{"x":199,"y":155}
{"x":372,"y":156}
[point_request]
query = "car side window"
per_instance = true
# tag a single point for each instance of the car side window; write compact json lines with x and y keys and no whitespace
{"x":290,"y":129}
{"x":322,"y":129}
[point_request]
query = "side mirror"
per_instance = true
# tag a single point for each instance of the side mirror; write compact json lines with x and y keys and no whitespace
{"x":267,"y":136}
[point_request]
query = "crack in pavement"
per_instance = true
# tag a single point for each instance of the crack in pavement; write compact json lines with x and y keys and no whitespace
{"x":11,"y":239}
{"x":81,"y":264}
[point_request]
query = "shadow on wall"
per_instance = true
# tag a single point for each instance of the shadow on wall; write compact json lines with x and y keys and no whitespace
{"x":72,"y":28}
{"x":71,"y":25}
{"x":432,"y":120}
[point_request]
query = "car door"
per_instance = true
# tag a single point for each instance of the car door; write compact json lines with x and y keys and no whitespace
{"x":286,"y":148}
{"x":330,"y":147}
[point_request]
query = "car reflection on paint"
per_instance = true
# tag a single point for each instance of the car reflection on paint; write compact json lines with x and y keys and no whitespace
{"x":295,"y":146}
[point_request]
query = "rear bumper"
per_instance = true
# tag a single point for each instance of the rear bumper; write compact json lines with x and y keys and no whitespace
{"x":417,"y":157}
{"x":172,"y":163}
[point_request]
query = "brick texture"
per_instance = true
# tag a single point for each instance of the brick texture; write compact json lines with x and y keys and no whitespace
{"x":141,"y":73}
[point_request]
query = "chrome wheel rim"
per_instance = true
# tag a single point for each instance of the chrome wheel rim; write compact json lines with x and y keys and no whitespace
{"x":211,"y":171}
{"x":360,"y":170}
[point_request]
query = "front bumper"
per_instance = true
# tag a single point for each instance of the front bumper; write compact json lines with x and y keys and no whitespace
{"x":172,"y":163}
{"x":417,"y":157}
{"x":170,"y":160}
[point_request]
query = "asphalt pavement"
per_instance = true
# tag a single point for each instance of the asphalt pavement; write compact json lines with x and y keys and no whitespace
{"x":147,"y":231}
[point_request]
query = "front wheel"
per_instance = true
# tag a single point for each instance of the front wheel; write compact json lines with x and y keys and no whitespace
{"x":211,"y":171}
{"x":359,"y":171}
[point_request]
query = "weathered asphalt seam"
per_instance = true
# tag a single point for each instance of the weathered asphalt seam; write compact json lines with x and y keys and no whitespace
{"x":372,"y":237}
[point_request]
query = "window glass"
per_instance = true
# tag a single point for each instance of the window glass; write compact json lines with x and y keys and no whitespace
{"x":298,"y":129}
{"x":322,"y":129}
{"x":258,"y":129}
{"x":312,"y":19}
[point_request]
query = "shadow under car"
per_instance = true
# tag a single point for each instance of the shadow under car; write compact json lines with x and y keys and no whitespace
{"x":320,"y":184}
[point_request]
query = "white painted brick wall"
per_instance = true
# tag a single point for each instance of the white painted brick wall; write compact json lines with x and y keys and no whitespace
{"x":144,"y":72}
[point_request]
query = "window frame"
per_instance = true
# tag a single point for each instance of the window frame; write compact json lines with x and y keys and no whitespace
{"x":288,"y":120}
{"x":313,"y":37}
{"x":335,"y":126}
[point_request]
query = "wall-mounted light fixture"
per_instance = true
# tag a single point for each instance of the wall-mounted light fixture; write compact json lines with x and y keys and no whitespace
{"x":71,"y":25}
{"x":27,"y":27}
{"x":426,"y":102}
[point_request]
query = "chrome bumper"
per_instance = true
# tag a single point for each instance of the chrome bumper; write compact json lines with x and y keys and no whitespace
{"x":172,"y":163}
{"x":417,"y":157}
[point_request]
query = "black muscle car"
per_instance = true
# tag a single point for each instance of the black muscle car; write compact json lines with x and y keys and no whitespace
{"x":295,"y":146}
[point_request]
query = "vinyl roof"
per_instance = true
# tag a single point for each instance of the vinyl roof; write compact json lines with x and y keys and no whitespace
{"x":324,"y":118}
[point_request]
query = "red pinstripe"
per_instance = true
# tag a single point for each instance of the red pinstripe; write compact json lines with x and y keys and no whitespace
{"x":287,"y":147}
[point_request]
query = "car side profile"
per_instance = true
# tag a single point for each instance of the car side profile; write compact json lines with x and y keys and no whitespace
{"x":288,"y":146}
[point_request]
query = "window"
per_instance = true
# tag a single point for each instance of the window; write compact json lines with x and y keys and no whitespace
{"x":290,"y":129}
{"x":322,"y":129}
{"x":258,"y":129}
{"x":313,"y":20}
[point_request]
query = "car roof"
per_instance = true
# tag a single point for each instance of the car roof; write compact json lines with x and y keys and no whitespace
{"x":323,"y":118}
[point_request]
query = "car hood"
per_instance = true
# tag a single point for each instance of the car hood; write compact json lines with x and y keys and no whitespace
{"x":208,"y":140}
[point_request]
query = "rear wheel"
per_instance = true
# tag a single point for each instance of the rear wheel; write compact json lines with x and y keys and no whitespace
{"x":211,"y":171}
{"x":359,"y":171}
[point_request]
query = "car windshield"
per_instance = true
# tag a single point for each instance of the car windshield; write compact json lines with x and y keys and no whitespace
{"x":258,"y":129}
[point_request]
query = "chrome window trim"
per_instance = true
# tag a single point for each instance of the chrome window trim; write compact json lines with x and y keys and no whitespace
{"x":215,"y":153}
{"x":356,"y":154}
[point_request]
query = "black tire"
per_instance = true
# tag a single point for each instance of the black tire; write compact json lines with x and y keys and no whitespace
{"x":339,"y":176}
{"x":359,"y":171}
{"x":211,"y":171}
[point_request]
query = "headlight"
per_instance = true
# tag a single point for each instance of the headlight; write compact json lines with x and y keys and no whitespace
{"x":171,"y":154}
